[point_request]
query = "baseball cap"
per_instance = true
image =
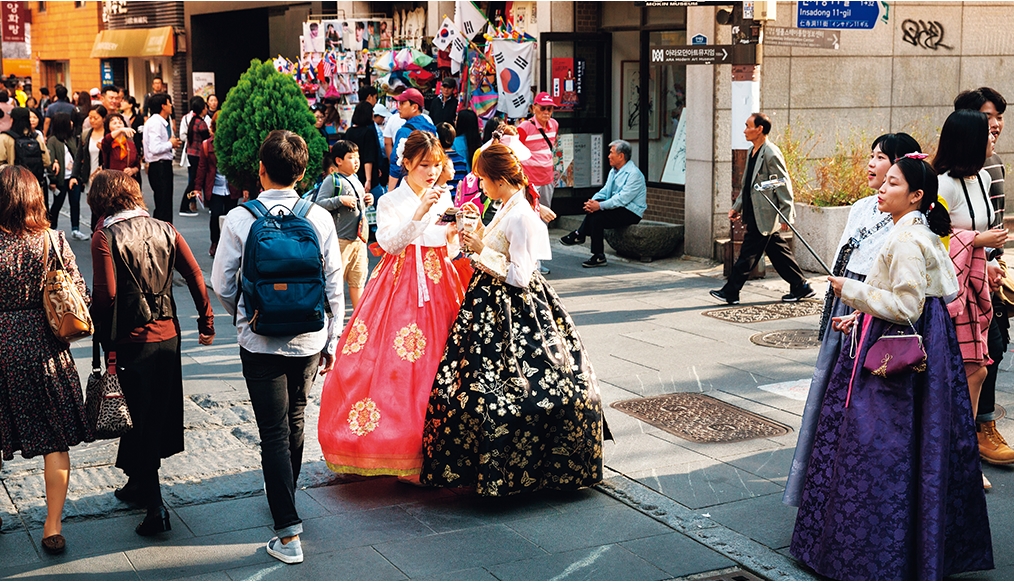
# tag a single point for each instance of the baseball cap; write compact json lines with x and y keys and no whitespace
{"x":380,"y":110}
{"x":94,"y":92}
{"x":544,"y":99}
{"x":412,"y":95}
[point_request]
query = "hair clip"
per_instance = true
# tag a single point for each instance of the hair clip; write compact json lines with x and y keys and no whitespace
{"x":497,"y":135}
{"x":916,"y":156}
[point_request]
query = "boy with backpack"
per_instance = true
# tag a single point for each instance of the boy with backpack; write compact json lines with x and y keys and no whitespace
{"x":277,"y":270}
{"x":343,"y":195}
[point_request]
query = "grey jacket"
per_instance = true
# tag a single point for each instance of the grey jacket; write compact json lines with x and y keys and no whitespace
{"x":769,"y":163}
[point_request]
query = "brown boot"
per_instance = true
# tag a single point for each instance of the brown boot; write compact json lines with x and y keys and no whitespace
{"x":992,"y":447}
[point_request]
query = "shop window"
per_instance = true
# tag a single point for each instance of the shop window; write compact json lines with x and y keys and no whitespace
{"x":79,"y":3}
{"x":41,"y":7}
{"x":666,"y":116}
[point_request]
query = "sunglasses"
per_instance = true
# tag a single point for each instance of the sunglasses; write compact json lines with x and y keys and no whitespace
{"x":545,"y":107}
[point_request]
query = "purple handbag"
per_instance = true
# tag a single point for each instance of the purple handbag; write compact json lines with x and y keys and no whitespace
{"x":896,"y":354}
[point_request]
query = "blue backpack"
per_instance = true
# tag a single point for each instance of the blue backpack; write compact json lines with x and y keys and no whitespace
{"x":283,"y":272}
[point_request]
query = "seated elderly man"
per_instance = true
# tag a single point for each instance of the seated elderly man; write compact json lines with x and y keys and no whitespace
{"x":621,"y":202}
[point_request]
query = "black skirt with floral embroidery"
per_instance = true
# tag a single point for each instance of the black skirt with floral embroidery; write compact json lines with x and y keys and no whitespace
{"x":515,"y":405}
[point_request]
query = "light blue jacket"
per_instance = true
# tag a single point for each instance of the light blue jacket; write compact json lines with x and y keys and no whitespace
{"x":625,"y":188}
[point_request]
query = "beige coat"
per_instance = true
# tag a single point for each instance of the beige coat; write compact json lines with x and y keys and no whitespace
{"x":7,"y":150}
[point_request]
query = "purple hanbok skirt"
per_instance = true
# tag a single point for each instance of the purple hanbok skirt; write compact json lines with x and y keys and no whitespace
{"x":893,"y":489}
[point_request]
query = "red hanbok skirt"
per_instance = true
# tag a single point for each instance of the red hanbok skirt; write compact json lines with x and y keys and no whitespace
{"x":373,"y":406}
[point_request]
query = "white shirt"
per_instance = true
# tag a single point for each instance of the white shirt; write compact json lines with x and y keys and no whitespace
{"x":225,"y":275}
{"x":951,"y":191}
{"x":393,"y":124}
{"x":396,"y":229}
{"x":514,"y":242}
{"x":865,"y":215}
{"x":157,"y":146}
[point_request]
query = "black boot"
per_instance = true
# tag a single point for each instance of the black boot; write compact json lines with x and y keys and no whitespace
{"x":156,"y":522}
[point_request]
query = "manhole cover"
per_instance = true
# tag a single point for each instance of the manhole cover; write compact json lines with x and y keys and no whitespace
{"x":770,"y":312}
{"x":701,"y":418}
{"x":792,"y":339}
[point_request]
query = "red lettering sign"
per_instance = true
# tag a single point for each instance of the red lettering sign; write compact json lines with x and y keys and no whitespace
{"x":12,"y":18}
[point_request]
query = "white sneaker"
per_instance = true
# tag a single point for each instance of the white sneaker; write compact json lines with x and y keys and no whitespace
{"x":78,"y":235}
{"x":290,"y":553}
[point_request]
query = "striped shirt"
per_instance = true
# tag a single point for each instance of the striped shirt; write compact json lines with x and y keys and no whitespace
{"x":994,"y":165}
{"x":460,"y":169}
{"x":539,"y":168}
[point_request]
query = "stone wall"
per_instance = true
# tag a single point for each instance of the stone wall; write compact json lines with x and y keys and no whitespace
{"x":900,"y":76}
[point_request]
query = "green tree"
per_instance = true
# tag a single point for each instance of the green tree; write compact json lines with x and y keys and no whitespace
{"x":264,"y":100}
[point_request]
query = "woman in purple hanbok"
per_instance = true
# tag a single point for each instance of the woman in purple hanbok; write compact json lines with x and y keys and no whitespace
{"x":893,"y":489}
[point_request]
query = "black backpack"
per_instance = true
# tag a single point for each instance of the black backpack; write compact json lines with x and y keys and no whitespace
{"x":28,"y":153}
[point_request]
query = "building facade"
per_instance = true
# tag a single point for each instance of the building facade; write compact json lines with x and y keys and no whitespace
{"x":63,"y":34}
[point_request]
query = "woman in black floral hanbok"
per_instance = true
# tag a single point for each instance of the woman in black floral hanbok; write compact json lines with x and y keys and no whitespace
{"x":515,"y":405}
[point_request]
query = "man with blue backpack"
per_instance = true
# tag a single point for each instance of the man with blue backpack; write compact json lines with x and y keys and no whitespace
{"x":278,"y":271}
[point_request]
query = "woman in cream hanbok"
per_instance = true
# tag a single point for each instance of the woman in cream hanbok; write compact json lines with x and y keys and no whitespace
{"x":515,"y":404}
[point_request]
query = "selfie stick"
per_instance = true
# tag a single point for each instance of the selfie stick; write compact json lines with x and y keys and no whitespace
{"x":768,"y":185}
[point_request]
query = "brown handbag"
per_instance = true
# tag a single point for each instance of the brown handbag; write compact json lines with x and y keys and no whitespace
{"x":66,"y":310}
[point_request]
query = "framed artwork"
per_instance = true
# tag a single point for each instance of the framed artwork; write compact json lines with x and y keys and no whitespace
{"x":630,"y":104}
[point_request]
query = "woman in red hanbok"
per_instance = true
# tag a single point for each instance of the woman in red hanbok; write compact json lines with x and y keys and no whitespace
{"x":374,"y":402}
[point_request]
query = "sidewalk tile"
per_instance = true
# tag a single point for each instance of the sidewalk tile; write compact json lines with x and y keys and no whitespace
{"x":469,"y":574}
{"x":463,"y":512}
{"x":677,"y":554}
{"x":115,"y":534}
{"x":360,"y":528}
{"x":585,"y":529}
{"x":580,"y":500}
{"x":237,"y":514}
{"x":481,"y":546}
{"x":763,"y":519}
{"x":352,"y":564}
{"x":706,"y":485}
{"x":611,"y":562}
{"x":642,"y":452}
{"x":371,"y":493}
{"x":114,"y":566}
{"x":177,"y":558}
{"x":773,"y":464}
{"x":18,"y":548}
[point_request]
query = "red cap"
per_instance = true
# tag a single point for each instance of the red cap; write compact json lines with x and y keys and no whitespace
{"x":544,"y":99}
{"x":412,"y":95}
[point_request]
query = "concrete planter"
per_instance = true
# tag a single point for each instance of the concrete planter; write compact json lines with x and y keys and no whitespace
{"x":821,"y":227}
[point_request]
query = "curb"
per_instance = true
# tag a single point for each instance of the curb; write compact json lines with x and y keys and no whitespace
{"x":753,"y":556}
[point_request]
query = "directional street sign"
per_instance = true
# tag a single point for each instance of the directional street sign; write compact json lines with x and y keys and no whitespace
{"x":714,"y":54}
{"x":837,"y":15}
{"x":801,"y":38}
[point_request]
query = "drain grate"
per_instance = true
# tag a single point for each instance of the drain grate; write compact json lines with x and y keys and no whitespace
{"x":700,"y":418}
{"x":790,"y":339}
{"x":729,"y":574}
{"x":769,"y":312}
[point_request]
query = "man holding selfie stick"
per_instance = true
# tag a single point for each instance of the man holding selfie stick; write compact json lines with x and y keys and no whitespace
{"x":762,"y":220}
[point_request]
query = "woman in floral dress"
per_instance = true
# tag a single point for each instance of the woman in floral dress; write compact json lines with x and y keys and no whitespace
{"x":515,"y":405}
{"x":41,"y":410}
{"x":374,"y":402}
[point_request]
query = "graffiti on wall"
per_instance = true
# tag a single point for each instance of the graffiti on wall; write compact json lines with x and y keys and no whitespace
{"x":927,"y":34}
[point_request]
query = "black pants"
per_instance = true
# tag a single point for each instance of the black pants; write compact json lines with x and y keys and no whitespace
{"x":596,"y":222}
{"x":996,"y":341}
{"x":151,"y":377}
{"x":278,"y":387}
{"x":160,"y":175}
{"x":74,"y":194}
{"x":191,"y":178}
{"x":755,"y":246}
{"x":220,"y":206}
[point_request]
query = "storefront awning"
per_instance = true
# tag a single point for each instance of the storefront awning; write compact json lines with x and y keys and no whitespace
{"x":135,"y":42}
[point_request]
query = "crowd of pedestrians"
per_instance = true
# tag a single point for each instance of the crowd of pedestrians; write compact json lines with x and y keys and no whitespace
{"x":459,"y":365}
